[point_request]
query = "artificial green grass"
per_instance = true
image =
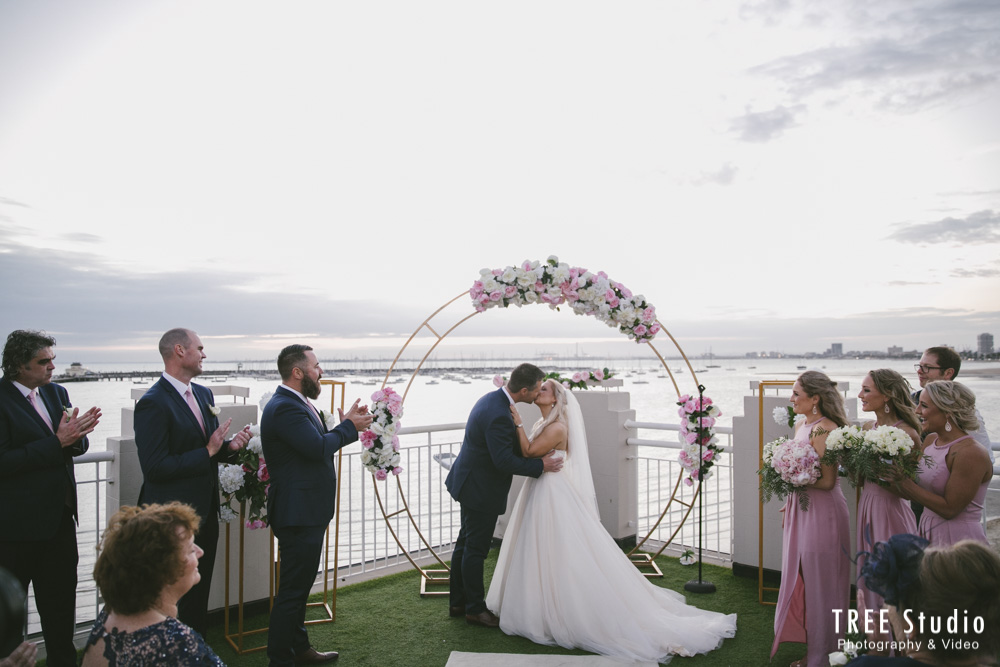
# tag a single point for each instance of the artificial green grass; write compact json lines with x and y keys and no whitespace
{"x":384,"y":622}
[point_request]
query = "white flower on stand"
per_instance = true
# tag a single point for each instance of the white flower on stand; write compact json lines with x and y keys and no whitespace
{"x":255,"y":446}
{"x":230,"y":477}
{"x":226,"y":514}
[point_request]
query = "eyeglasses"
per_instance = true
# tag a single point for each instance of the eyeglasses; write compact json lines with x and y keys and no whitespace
{"x":923,"y":369}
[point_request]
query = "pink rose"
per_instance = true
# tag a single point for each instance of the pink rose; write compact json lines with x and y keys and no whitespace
{"x":526,"y":266}
{"x":480,"y":308}
{"x":640,"y":330}
{"x":397,"y":470}
{"x":708,"y":455}
{"x":395,"y":443}
{"x":649,"y":315}
{"x":577,"y":377}
{"x":495,"y":295}
{"x":510,"y":291}
{"x":684,"y":399}
{"x":497,"y":381}
{"x":690,"y":407}
{"x":262,"y":473}
{"x":395,"y":408}
{"x":691,"y":438}
{"x":688,"y":482}
{"x":599,"y":374}
{"x":378,"y":396}
{"x":626,"y":292}
{"x":380,"y":475}
{"x":477,"y":289}
{"x":654,"y":328}
{"x":498,"y":272}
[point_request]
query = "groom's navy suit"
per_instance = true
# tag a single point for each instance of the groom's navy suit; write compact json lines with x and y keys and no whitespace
{"x":300,"y":504}
{"x":176,"y":467}
{"x":37,"y":511}
{"x":480,"y":481}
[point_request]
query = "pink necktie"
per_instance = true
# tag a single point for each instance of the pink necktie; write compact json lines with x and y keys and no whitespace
{"x":193,"y":404}
{"x":316,"y":412}
{"x":40,"y":409}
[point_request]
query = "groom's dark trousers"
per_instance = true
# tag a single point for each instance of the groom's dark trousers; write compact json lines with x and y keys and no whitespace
{"x":38,"y":513}
{"x":479,"y":480}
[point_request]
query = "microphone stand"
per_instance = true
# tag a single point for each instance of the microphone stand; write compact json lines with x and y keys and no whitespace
{"x":699,"y":585}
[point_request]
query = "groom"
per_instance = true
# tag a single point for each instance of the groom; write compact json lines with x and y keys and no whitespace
{"x":480,"y":481}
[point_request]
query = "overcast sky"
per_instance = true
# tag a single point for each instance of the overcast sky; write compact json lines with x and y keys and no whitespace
{"x":770,"y":175}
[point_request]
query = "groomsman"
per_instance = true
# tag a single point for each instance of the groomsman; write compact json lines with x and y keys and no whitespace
{"x":40,"y":433}
{"x":180,"y":444}
{"x":299,"y":452}
{"x":479,"y":480}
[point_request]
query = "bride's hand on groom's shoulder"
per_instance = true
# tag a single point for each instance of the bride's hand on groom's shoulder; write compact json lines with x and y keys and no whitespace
{"x":551,"y":462}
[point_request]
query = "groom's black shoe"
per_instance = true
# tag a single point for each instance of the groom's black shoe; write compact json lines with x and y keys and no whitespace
{"x":486,"y":618}
{"x":455,"y":612}
{"x":313,"y":657}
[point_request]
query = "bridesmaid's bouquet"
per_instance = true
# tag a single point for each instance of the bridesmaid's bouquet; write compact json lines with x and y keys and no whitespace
{"x":872,"y":455}
{"x":789,"y":466}
{"x":380,"y":455}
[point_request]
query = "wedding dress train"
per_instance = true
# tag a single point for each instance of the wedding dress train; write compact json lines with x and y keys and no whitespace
{"x":561,"y":578}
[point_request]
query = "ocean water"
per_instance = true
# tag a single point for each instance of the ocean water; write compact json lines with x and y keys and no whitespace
{"x":432,"y":398}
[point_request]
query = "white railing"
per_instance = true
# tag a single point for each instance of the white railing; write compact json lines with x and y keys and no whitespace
{"x":658,"y":477}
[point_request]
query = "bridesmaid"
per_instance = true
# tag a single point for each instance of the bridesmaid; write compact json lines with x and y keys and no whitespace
{"x":882,"y":513}
{"x":815,"y":569}
{"x":952,"y":488}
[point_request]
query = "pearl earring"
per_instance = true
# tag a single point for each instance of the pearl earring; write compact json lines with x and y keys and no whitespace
{"x":947,"y":425}
{"x":886,"y":408}
{"x":815,"y":411}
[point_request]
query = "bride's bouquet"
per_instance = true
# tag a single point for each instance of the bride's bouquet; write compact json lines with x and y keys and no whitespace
{"x":380,"y":455}
{"x":789,"y":466}
{"x":872,"y":455}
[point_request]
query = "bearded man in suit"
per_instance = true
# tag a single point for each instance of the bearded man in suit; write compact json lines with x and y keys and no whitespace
{"x":480,"y":479}
{"x":40,"y":433}
{"x":180,"y":444}
{"x":299,"y":452}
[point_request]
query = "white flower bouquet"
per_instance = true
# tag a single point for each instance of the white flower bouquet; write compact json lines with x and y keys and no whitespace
{"x":380,"y":455}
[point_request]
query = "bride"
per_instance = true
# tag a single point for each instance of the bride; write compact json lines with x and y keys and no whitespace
{"x":561,"y":579}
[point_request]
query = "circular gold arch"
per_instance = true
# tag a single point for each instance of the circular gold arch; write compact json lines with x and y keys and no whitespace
{"x":428,"y":575}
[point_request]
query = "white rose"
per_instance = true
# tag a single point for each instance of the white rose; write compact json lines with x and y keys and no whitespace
{"x":366,"y":456}
{"x":525,"y":279}
{"x":509,"y":275}
{"x":255,"y":446}
{"x":490,"y":285}
{"x":531,"y":297}
{"x":560,"y":274}
{"x":226,"y":514}
{"x":838,"y":658}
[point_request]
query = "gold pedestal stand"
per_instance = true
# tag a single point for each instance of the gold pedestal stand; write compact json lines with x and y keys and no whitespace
{"x":761,"y":386}
{"x":236,"y":639}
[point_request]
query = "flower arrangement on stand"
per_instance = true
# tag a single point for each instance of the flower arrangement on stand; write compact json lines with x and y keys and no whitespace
{"x":380,"y":455}
{"x":697,"y":432}
{"x":246,"y":481}
{"x":875,"y":454}
{"x":579,"y":380}
{"x":785,"y":415}
{"x":789,"y":465}
{"x":556,"y":283}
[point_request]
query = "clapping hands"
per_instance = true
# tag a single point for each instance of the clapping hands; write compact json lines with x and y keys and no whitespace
{"x":74,"y":426}
{"x":240,"y":439}
{"x":357,"y":415}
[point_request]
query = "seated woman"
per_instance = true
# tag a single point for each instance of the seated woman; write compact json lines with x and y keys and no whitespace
{"x":925,"y":589}
{"x":147,"y":561}
{"x":952,"y":485}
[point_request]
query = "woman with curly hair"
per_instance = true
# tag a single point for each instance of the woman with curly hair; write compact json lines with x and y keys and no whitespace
{"x":882,"y":512}
{"x":952,"y":486}
{"x":815,"y":567}
{"x":147,"y":561}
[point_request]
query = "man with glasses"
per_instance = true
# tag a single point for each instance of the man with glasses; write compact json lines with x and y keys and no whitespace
{"x":943,"y":363}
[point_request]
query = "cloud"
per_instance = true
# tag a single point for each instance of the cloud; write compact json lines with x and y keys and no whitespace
{"x":906,"y":56}
{"x":979,"y":227}
{"x":82,"y":237}
{"x":763,"y":126}
{"x":724,"y":175}
{"x":981,"y":272}
{"x":909,"y":283}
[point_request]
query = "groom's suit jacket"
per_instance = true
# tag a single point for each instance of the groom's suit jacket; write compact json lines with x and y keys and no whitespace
{"x":480,"y":477}
{"x":299,"y":453}
{"x":171,"y":445}
{"x":36,"y":473}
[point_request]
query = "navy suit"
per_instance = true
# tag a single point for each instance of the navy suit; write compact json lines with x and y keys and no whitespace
{"x":300,"y":504}
{"x":38,"y":511}
{"x":176,"y":466}
{"x":479,"y":480}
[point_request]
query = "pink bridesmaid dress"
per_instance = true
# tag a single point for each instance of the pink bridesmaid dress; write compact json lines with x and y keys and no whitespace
{"x":881,"y":514}
{"x":968,"y":524}
{"x":815,"y":571}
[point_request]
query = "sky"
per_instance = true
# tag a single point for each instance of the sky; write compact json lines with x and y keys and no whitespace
{"x":769,"y":175}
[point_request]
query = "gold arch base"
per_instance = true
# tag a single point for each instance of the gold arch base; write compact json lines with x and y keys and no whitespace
{"x":434,"y":580}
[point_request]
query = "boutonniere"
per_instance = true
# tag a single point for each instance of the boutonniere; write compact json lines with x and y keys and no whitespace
{"x":66,"y":411}
{"x":214,"y":410}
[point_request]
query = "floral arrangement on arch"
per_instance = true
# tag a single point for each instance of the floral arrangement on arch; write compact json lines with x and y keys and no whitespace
{"x":789,"y":465}
{"x":579,"y":380}
{"x":697,"y":433}
{"x":874,"y":455}
{"x":246,"y":481}
{"x":556,"y":283}
{"x":380,"y":453}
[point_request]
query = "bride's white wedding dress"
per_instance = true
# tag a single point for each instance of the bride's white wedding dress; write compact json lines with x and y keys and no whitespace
{"x":561,"y":579}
